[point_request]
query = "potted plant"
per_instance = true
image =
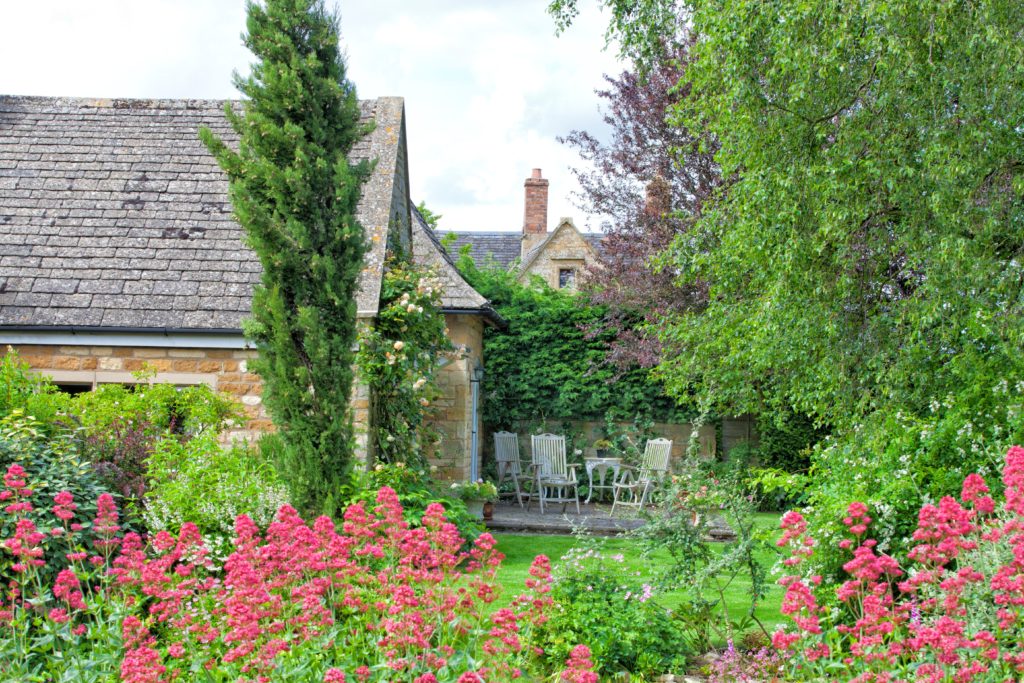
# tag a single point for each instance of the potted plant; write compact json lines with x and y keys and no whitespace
{"x":602,"y":448}
{"x":475,"y":494}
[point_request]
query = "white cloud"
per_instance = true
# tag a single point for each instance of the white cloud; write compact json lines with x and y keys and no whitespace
{"x":488,"y":86}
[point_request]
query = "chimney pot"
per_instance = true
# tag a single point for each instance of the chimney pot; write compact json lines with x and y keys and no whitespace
{"x":536,"y":173}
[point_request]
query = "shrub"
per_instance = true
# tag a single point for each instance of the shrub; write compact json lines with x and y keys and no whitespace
{"x":955,"y":614}
{"x":694,"y":499}
{"x":598,"y":600}
{"x":378,"y":600}
{"x":53,"y":465}
{"x":198,"y":481}
{"x":162,"y":408}
{"x":416,"y":491}
{"x":34,"y":395}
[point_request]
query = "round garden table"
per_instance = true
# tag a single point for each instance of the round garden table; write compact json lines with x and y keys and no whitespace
{"x":602,"y":466}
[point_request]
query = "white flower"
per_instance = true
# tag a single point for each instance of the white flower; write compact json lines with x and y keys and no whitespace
{"x":419,"y":383}
{"x":399,"y":345}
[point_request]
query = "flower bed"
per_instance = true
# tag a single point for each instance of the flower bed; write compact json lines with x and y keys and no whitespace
{"x":952,"y":612}
{"x":373,"y":601}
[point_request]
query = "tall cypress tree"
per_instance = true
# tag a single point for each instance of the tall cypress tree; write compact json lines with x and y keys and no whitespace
{"x":294,"y":192}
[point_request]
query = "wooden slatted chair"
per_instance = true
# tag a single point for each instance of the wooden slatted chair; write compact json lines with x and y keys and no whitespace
{"x":635,"y":485}
{"x":510,"y":467}
{"x":554,"y":479}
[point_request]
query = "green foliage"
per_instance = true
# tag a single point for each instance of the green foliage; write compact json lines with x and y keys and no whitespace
{"x":295,"y":194}
{"x":547,"y":366}
{"x":52,"y":464}
{"x":429,"y":216}
{"x":398,"y":358}
{"x":599,"y":601}
{"x":120,"y":426}
{"x":23,"y":390}
{"x":785,"y":441}
{"x":201,"y":482}
{"x":163,"y":407}
{"x":416,"y":490}
{"x":696,"y":498}
{"x":864,"y":260}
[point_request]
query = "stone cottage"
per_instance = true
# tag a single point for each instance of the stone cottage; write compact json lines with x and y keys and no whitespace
{"x":118,"y":249}
{"x":558,"y":257}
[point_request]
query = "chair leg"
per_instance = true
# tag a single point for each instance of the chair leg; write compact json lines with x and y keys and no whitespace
{"x":519,"y":492}
{"x":576,"y":496}
{"x":615,"y":501}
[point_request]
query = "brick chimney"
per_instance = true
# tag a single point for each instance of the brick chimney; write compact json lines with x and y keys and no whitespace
{"x":535,"y":213}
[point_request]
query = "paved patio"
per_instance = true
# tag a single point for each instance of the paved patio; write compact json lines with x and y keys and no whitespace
{"x":509,"y":517}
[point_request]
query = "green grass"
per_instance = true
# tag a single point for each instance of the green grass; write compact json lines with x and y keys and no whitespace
{"x":520,"y":549}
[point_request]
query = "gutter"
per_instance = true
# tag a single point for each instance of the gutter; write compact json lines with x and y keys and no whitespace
{"x":492,"y":317}
{"x":94,"y":335}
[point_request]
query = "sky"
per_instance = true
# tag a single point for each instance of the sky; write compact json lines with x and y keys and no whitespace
{"x":488,"y":87}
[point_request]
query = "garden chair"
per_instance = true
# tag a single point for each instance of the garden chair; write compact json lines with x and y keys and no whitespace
{"x":635,"y":485}
{"x":553,"y":478}
{"x":506,"y":455}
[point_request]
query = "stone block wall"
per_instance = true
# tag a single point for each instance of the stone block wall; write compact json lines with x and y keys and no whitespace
{"x":566,"y":249}
{"x":225,"y":370}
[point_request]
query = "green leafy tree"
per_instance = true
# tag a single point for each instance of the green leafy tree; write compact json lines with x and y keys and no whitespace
{"x":864,"y":258}
{"x":295,"y":193}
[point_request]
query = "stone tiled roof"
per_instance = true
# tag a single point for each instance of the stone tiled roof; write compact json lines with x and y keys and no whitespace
{"x":458,"y":295}
{"x":113,"y":214}
{"x":502,"y":248}
{"x":427,"y":251}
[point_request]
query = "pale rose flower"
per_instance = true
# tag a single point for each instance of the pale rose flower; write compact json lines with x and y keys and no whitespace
{"x":399,"y":345}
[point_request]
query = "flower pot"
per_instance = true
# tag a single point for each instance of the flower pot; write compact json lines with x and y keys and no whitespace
{"x":488,"y":510}
{"x":475,"y":508}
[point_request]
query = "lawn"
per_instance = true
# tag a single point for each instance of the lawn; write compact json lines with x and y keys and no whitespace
{"x":520,"y":549}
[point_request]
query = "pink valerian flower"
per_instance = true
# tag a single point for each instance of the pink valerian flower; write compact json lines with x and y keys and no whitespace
{"x":794,"y":535}
{"x":141,"y":663}
{"x":975,"y":491}
{"x":924,"y":632}
{"x":579,"y":667}
{"x":1013,"y":480}
{"x":68,"y":589}
{"x":14,"y":479}
{"x":25,"y":545}
{"x":105,"y":525}
{"x":64,"y":506}
{"x":334,"y":676}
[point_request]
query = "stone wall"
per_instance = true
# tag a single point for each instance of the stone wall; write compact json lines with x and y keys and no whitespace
{"x":225,"y":370}
{"x":565,"y":249}
{"x":454,"y":410}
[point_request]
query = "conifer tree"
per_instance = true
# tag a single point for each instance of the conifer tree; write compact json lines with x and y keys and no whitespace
{"x":294,"y":192}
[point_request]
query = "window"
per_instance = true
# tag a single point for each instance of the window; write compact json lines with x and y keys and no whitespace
{"x":73,"y":387}
{"x":566,"y":278}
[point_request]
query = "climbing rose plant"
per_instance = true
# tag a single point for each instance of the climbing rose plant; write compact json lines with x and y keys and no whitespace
{"x":398,"y":359}
{"x":372,"y":601}
{"x":953,"y":612}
